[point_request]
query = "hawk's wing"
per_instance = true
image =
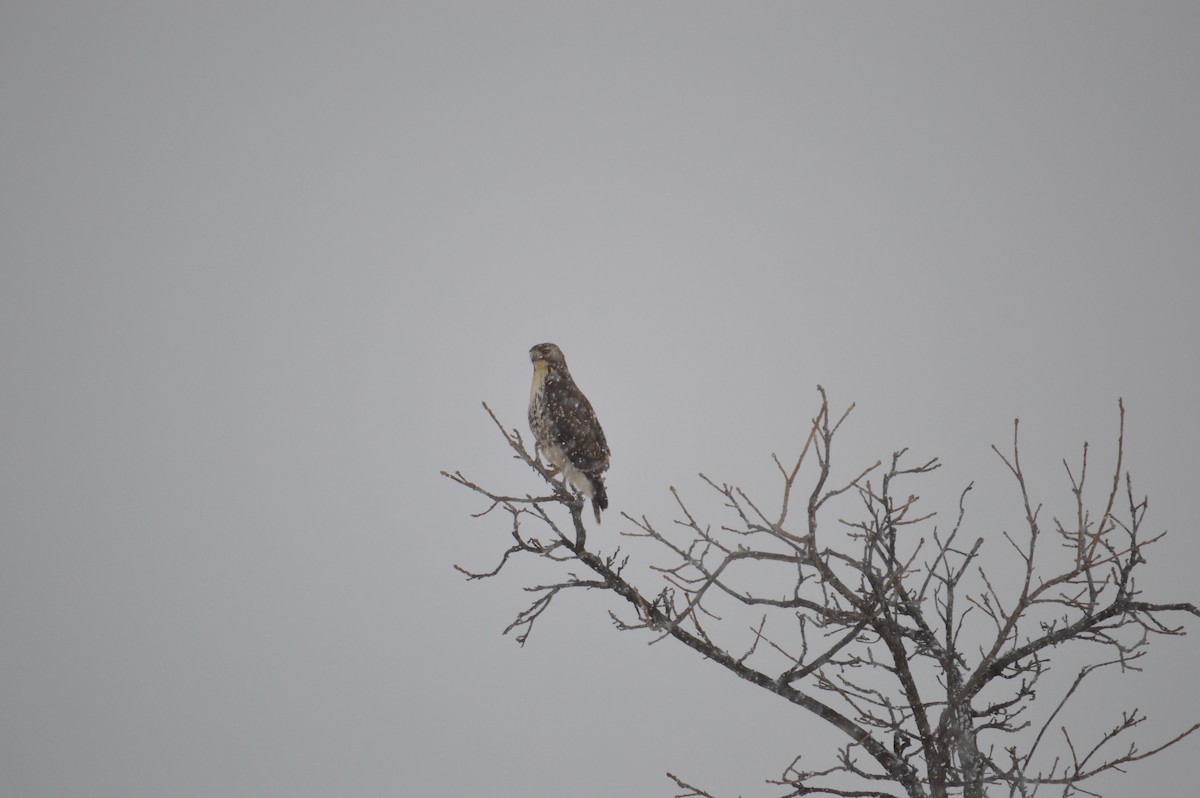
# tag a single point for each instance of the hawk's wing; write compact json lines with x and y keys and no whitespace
{"x":574,"y":427}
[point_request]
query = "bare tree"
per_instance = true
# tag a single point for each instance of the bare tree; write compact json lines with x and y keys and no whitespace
{"x":883,"y":625}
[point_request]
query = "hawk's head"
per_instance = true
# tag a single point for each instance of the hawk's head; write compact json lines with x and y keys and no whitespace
{"x":548,"y":353}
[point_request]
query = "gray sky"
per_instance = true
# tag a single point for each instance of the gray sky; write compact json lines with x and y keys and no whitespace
{"x":261,"y":262}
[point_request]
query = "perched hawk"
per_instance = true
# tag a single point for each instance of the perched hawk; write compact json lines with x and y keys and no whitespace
{"x":565,"y":426}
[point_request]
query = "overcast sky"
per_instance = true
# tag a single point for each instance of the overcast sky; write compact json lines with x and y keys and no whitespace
{"x":260,"y":263}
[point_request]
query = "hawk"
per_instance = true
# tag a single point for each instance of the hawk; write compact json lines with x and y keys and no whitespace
{"x":565,"y":426}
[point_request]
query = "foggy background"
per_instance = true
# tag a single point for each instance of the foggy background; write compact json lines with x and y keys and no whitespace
{"x":260,"y":263}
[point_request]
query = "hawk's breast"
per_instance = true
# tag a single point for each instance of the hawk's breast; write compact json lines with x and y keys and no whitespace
{"x":538,"y":420}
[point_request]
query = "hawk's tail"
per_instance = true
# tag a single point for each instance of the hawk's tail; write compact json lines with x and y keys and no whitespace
{"x":599,"y":495}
